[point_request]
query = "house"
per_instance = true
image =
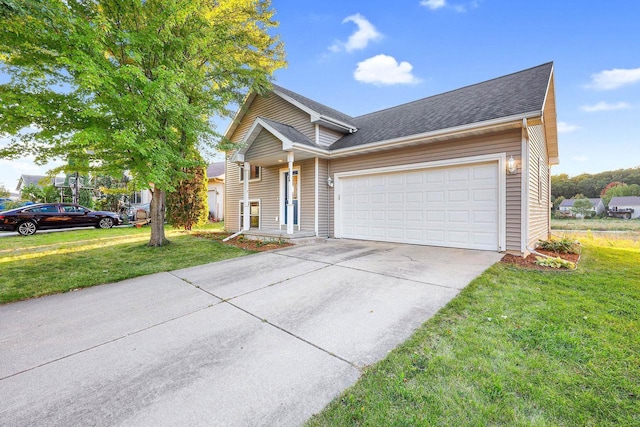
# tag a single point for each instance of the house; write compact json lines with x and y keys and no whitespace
{"x":567,"y":205}
{"x":469,"y":168}
{"x":626,"y":202}
{"x":215,"y":190}
{"x":37,"y":180}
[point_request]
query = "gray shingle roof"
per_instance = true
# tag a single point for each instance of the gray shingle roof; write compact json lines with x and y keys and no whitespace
{"x":567,"y":203}
{"x":625,"y":201}
{"x":514,"y":94}
{"x":291,"y":133}
{"x":215,"y":169}
{"x":316,"y":106}
{"x":26,"y":180}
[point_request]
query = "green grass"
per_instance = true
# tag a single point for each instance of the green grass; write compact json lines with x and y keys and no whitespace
{"x":515,"y":348}
{"x":596,"y":224}
{"x":50,"y":263}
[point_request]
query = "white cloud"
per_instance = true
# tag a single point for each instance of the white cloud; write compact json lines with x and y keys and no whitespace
{"x":384,"y":70}
{"x":580,"y":158}
{"x":365,"y":33}
{"x":605,"y":106}
{"x":433,"y":4}
{"x":613,"y":79}
{"x":564,"y":127}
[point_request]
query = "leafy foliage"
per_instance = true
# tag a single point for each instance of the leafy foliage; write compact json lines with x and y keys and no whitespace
{"x":564,"y":245}
{"x":139,"y":79}
{"x":4,"y":192}
{"x":582,"y":207}
{"x":187,"y":206}
{"x":556,"y":262}
{"x":591,"y":185}
{"x":621,"y":190}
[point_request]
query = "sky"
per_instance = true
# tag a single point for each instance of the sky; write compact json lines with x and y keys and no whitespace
{"x":359,"y":57}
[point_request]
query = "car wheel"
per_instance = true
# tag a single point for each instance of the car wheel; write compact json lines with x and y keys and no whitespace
{"x":105,"y":222}
{"x":27,"y":228}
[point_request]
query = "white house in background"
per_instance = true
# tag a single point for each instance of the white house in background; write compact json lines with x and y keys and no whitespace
{"x":567,"y":205}
{"x":626,"y":202}
{"x":215,"y":173}
{"x":37,"y":180}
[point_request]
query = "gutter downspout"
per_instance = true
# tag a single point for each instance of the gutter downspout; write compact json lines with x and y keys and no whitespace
{"x":524,"y":227}
{"x":226,"y":239}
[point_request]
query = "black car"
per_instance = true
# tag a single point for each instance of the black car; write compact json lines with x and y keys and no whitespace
{"x":27,"y":219}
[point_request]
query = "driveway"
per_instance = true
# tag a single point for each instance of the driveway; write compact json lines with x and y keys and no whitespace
{"x":267,"y":339}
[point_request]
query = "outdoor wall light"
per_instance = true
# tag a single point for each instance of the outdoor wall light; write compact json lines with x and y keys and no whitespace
{"x":330,"y":182}
{"x":511,"y":165}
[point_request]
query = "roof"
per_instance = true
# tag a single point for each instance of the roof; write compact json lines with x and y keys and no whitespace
{"x":26,"y":180}
{"x":624,"y":201}
{"x":567,"y":203}
{"x":319,"y":108}
{"x":511,"y":95}
{"x":215,"y":169}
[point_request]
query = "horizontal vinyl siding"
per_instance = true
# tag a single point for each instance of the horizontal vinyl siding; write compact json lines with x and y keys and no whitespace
{"x":307,"y":194}
{"x":508,"y":142}
{"x":275,"y":108}
{"x":266,"y":190}
{"x":265,"y":145}
{"x":323,"y":198}
{"x":538,"y":186}
{"x":329,"y":136}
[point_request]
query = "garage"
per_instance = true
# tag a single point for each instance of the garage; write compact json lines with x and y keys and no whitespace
{"x":452,"y":206}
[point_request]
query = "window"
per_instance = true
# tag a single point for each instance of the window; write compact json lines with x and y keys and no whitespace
{"x":136,"y":197}
{"x":254,"y":173}
{"x":254,"y":214}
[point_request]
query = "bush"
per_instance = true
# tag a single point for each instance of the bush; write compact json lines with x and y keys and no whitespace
{"x":554,"y":262}
{"x":564,"y":245}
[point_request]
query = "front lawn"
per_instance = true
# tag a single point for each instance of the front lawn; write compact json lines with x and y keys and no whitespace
{"x":516,"y":348}
{"x":596,"y":224}
{"x":50,"y":263}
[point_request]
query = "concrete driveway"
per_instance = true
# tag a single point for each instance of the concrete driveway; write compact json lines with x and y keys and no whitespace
{"x":267,"y":339}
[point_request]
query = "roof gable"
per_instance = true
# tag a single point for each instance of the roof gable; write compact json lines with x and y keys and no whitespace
{"x":567,"y":203}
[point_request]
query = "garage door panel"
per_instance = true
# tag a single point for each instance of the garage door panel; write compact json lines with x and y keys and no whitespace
{"x":454,"y":206}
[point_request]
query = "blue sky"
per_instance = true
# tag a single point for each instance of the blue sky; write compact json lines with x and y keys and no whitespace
{"x":360,"y":57}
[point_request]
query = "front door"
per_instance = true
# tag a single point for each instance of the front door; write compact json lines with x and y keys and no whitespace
{"x":294,"y":198}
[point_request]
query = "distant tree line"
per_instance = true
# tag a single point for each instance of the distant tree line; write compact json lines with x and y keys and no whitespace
{"x":591,"y":185}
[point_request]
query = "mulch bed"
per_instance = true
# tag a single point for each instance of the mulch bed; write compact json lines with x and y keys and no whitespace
{"x":530,"y":261}
{"x":244,"y":243}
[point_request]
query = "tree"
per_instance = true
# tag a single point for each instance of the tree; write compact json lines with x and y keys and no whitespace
{"x":582,"y":207}
{"x":140,"y":81}
{"x":32,"y":193}
{"x":621,"y":190}
{"x":4,"y":192}
{"x":188,"y":204}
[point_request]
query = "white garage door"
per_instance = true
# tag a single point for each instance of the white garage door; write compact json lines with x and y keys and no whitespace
{"x":452,"y":207}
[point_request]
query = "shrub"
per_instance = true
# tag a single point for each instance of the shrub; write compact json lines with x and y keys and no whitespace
{"x":564,"y":245}
{"x":554,"y":262}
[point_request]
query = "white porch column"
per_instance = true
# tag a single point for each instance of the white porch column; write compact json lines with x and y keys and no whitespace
{"x":290,"y":194}
{"x":246,"y":220}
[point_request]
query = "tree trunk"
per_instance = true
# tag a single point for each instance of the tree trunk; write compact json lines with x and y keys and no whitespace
{"x":157,"y":218}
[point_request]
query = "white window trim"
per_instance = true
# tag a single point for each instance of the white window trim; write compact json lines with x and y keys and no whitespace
{"x":241,"y":174}
{"x":500,"y":158}
{"x":241,"y":202}
{"x":282,"y":196}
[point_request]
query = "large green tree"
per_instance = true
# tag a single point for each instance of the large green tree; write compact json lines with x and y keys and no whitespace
{"x":129,"y":84}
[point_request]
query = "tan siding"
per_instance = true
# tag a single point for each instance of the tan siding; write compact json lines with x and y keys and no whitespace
{"x":508,"y":142}
{"x":275,"y":108}
{"x":307,"y":195}
{"x":323,"y":198}
{"x":265,"y":145}
{"x":329,"y":136}
{"x":538,"y":186}
{"x":266,"y":190}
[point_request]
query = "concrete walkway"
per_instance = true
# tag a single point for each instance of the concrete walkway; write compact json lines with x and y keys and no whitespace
{"x":268,"y":339}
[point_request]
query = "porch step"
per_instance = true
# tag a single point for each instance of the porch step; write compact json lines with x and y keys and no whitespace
{"x":297,"y":238}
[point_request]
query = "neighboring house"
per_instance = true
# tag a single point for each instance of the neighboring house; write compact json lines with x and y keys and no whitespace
{"x":626,"y":202}
{"x":567,"y":205}
{"x":215,"y":174}
{"x":37,"y":180}
{"x":429,"y":172}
